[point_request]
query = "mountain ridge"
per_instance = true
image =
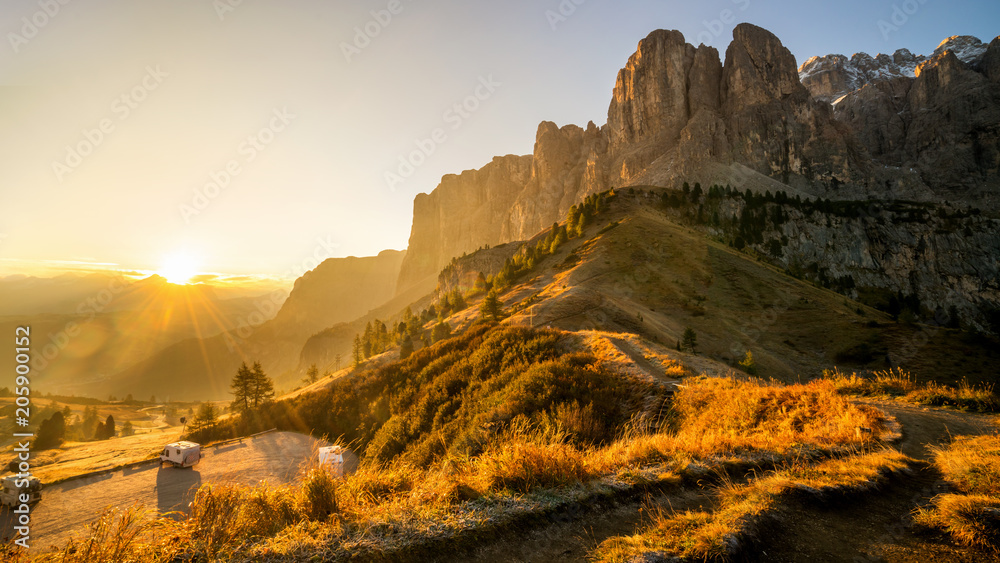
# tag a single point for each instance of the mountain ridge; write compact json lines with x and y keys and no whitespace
{"x":679,"y":113}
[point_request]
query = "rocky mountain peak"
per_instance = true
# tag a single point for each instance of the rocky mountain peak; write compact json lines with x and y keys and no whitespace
{"x":829,"y":78}
{"x":759,"y":68}
{"x":650,"y":95}
{"x":966,"y":48}
{"x":678,"y":112}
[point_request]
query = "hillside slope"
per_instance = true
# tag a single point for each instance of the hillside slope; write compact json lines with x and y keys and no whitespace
{"x":650,"y":275}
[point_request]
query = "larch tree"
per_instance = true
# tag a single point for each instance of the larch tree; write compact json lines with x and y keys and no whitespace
{"x":262,"y":387}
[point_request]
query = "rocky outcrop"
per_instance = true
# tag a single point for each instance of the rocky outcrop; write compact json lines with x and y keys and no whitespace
{"x":564,"y":170}
{"x":509,"y":199}
{"x":990,"y":64}
{"x":774,"y":126}
{"x":650,"y":99}
{"x":465,"y":212}
{"x":462,"y":272}
{"x":944,"y":123}
{"x":338,"y":290}
{"x":946,"y":257}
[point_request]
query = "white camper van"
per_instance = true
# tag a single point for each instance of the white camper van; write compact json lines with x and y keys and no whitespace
{"x":10,"y":493}
{"x":332,"y":458}
{"x":181,"y":454}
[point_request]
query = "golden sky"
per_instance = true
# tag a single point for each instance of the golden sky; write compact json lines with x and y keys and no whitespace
{"x":250,"y":136}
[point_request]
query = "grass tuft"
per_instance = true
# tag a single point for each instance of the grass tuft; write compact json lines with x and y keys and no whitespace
{"x":971,"y":464}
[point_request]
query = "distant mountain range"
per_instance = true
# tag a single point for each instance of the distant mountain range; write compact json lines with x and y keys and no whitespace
{"x":832,"y":77}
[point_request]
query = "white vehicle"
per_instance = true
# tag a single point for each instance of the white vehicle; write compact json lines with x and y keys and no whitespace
{"x":10,"y":494}
{"x":181,"y":454}
{"x":332,"y":458}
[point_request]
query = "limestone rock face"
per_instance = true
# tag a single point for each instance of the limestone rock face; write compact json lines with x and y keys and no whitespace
{"x":465,"y":212}
{"x":338,"y":290}
{"x":950,"y":263}
{"x":758,"y":70}
{"x":990,"y":63}
{"x":650,"y":99}
{"x":565,"y":169}
{"x":773,"y":124}
{"x":904,"y":126}
{"x":944,"y":123}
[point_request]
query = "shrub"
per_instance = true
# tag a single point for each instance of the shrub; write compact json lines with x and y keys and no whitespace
{"x":318,"y":495}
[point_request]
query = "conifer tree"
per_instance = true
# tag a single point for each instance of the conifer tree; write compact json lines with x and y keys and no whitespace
{"x":690,"y":340}
{"x":262,"y":386}
{"x":491,"y":307}
{"x":242,"y":389}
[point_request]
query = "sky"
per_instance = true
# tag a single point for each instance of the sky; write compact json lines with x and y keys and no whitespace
{"x":256,"y":136}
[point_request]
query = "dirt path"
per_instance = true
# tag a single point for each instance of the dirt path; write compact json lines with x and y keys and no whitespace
{"x":871,"y":529}
{"x":877,"y":528}
{"x":575,"y":533}
{"x":67,"y":507}
{"x":640,"y":360}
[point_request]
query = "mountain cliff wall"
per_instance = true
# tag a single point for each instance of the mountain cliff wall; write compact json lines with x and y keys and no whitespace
{"x":905,"y":127}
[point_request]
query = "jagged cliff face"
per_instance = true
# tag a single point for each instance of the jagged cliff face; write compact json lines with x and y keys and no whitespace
{"x":948,"y":258}
{"x":831,"y":77}
{"x":951,"y":265}
{"x":564,"y":170}
{"x":674,"y":108}
{"x":465,"y":212}
{"x":903,"y":127}
{"x":943,"y":123}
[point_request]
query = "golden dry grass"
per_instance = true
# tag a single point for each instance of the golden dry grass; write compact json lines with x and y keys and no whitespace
{"x":730,"y":415}
{"x":971,"y":464}
{"x":521,"y":470}
{"x":899,"y":384}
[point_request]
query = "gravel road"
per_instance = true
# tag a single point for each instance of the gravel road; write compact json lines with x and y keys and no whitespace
{"x":67,"y":507}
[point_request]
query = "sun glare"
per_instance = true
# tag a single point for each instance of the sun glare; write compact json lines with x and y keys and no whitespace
{"x":178,"y":269}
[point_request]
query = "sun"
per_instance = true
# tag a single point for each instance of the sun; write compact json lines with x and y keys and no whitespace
{"x":178,"y":268}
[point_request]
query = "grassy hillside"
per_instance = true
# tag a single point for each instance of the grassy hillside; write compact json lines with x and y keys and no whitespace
{"x":637,"y":270}
{"x":484,"y":433}
{"x":449,"y":399}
